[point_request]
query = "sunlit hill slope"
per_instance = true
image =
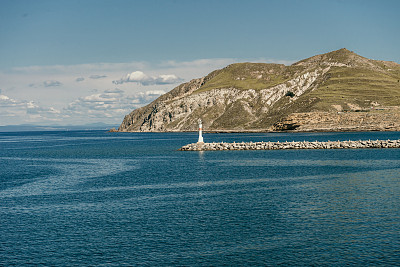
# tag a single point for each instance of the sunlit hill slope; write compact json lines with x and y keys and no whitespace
{"x":336,"y":91}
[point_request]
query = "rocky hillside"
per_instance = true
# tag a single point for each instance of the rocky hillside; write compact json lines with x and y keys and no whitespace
{"x":339,"y":90}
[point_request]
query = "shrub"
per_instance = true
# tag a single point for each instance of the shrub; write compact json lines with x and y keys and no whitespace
{"x":290,"y":93}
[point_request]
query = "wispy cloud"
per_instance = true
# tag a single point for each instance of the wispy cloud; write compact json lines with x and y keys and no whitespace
{"x":51,"y":83}
{"x":83,"y":68}
{"x":144,"y":79}
{"x":48,"y":83}
{"x":80,"y":79}
{"x":97,"y":76}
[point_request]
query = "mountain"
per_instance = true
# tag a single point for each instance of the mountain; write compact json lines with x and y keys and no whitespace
{"x":336,"y":91}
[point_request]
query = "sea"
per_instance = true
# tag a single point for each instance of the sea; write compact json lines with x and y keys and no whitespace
{"x":94,"y":198}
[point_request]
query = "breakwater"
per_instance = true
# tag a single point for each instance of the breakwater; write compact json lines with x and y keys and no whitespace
{"x":292,"y":145}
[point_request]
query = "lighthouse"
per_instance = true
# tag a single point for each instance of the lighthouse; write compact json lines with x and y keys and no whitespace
{"x":200,"y":132}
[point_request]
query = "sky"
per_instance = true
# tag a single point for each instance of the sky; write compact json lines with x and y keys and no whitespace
{"x":77,"y":62}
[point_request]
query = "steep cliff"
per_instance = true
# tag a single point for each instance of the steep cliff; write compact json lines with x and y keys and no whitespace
{"x":258,"y":96}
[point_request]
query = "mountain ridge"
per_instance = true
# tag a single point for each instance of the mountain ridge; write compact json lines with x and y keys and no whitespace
{"x":262,"y":96}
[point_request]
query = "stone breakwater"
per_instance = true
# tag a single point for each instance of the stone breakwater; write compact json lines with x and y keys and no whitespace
{"x":292,"y":145}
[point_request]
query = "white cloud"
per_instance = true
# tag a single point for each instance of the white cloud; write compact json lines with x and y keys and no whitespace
{"x":5,"y":101}
{"x":113,"y":103}
{"x":142,"y":78}
{"x":33,"y":108}
{"x":12,"y":111}
{"x":168,"y":79}
{"x":109,"y":106}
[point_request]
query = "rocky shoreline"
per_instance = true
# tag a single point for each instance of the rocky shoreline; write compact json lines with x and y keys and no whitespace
{"x":292,"y":145}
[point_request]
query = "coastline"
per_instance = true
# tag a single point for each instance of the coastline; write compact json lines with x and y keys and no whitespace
{"x":337,"y":130}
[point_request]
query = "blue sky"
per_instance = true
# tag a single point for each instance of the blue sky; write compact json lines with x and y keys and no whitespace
{"x":59,"y":59}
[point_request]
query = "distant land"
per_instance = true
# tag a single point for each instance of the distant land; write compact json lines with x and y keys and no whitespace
{"x":32,"y":127}
{"x":336,"y":91}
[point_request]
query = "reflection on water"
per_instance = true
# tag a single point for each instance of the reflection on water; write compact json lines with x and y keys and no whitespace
{"x":201,"y":156}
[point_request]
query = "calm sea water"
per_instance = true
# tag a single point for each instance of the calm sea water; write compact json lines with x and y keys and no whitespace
{"x":95,"y":198}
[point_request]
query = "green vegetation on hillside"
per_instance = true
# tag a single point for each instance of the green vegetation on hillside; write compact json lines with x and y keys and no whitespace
{"x":342,"y":56}
{"x":250,"y":76}
{"x":358,"y":86}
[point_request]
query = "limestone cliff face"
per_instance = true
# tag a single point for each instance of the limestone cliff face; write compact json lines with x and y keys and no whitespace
{"x":147,"y":118}
{"x":224,"y":108}
{"x":251,"y":96}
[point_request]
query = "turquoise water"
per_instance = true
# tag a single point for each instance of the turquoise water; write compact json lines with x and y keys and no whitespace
{"x":96,"y":198}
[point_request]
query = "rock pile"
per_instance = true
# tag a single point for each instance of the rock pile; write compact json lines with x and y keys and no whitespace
{"x":292,"y":145}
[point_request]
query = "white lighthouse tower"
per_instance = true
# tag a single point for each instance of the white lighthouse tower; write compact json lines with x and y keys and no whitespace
{"x":200,"y":132}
